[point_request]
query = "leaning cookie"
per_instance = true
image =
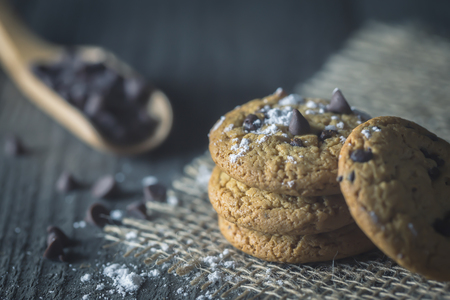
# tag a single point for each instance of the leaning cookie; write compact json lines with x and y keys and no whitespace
{"x":343,"y":242}
{"x":395,"y":176}
{"x":284,"y":144}
{"x":275,"y":213}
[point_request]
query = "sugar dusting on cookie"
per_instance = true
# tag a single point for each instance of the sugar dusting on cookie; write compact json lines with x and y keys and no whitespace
{"x":218,"y":123}
{"x":292,"y":99}
{"x":242,"y":149}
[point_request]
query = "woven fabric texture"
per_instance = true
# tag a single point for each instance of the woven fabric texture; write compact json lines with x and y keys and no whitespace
{"x":384,"y":70}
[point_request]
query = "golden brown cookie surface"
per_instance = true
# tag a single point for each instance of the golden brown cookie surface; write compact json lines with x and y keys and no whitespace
{"x":343,"y":242}
{"x":395,"y":176}
{"x":254,"y":144}
{"x":275,"y":213}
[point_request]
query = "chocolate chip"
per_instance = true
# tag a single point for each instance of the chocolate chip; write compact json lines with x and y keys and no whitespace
{"x":280,"y":93}
{"x":136,"y":90}
{"x":298,"y":125}
{"x":296,"y":142}
{"x":56,"y":233}
{"x":351,"y":177}
{"x":326,"y":134}
{"x":442,"y":226}
{"x":439,"y":161}
{"x":138,"y":210}
{"x":339,"y":178}
{"x":97,"y":215}
{"x":338,"y":103}
{"x":105,"y":187}
{"x":94,"y":104}
{"x":362,"y":116}
{"x":155,"y":192}
{"x":66,"y":183}
{"x":97,"y":88}
{"x":360,"y":155}
{"x":251,"y":122}
{"x":13,"y":146}
{"x":434,"y":173}
{"x":55,"y":250}
{"x":432,"y":136}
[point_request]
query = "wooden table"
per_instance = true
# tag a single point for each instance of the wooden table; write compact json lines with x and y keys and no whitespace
{"x":208,"y":57}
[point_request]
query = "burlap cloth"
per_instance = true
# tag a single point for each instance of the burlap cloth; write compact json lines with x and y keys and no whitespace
{"x":384,"y":70}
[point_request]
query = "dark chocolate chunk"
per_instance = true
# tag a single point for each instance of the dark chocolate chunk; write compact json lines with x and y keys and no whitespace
{"x":442,"y":226}
{"x":94,"y":104}
{"x":136,"y":90}
{"x":66,"y":183}
{"x":56,"y":233}
{"x":138,"y":210}
{"x":326,"y":134}
{"x":361,"y":155}
{"x":439,"y":161}
{"x":155,"y":192}
{"x":280,"y":93}
{"x":362,"y":116}
{"x":296,"y":142}
{"x":99,"y":89}
{"x":13,"y":146}
{"x":434,"y":173}
{"x":338,"y":103}
{"x":105,"y":187}
{"x":298,"y":125}
{"x":432,"y":136}
{"x":55,"y":250}
{"x":97,"y":215}
{"x":351,"y":177}
{"x":251,"y":122}
{"x":339,"y":178}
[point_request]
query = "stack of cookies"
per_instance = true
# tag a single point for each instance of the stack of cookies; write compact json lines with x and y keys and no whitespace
{"x":275,"y":185}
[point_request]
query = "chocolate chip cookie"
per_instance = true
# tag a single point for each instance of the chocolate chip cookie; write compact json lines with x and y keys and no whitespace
{"x":285,"y":144}
{"x":395,"y":176}
{"x":272,"y":213}
{"x":346,"y":241}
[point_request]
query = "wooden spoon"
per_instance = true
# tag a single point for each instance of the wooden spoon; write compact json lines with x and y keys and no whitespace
{"x":19,"y":48}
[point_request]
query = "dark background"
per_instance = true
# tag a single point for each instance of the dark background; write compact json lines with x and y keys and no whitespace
{"x":207,"y":56}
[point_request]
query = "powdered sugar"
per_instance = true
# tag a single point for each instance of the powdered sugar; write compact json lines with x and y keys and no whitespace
{"x":290,"y":183}
{"x":279,"y":116}
{"x":80,"y":224}
{"x":262,"y":139}
{"x":366,"y":133}
{"x":131,"y":235}
{"x":116,"y":214}
{"x":124,"y":280}
{"x":290,"y":159}
{"x":330,"y":127}
{"x":269,"y":130}
{"x":241,"y":149}
{"x":149,"y":180}
{"x":292,"y":99}
{"x":86,"y":277}
{"x":228,"y":128}
{"x":340,"y":125}
{"x":342,"y":139}
{"x":218,"y":123}
{"x":154,"y":273}
{"x":311,"y":104}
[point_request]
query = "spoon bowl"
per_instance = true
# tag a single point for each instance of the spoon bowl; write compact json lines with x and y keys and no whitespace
{"x":19,"y":49}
